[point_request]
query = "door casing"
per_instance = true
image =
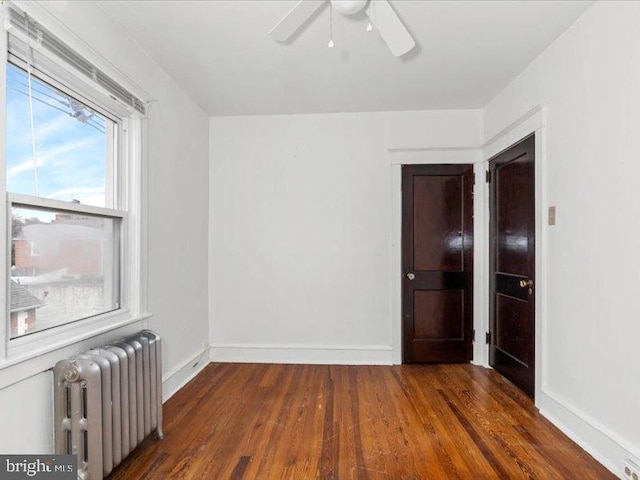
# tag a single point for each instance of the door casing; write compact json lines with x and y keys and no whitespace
{"x":532,"y":121}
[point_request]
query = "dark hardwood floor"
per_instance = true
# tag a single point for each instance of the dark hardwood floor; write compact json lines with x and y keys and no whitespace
{"x":249,"y":421}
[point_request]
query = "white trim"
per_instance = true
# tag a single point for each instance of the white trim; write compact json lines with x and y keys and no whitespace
{"x":303,"y":354}
{"x":5,"y":247}
{"x":68,"y":81}
{"x":434,"y":155}
{"x":395,"y":259}
{"x":606,"y":446}
{"x":534,"y":121}
{"x":530,"y":122}
{"x":432,"y":149}
{"x":130,"y":183}
{"x":142,"y":241}
{"x":542,"y":283}
{"x":184,"y":372}
{"x":27,"y":346}
{"x":480,"y":265}
{"x":57,"y":27}
{"x":34,"y":362}
{"x":52,"y":204}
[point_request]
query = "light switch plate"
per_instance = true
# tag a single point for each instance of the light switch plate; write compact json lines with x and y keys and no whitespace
{"x":552,"y":215}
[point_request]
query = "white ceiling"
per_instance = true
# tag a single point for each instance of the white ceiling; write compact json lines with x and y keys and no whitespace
{"x":219,"y":52}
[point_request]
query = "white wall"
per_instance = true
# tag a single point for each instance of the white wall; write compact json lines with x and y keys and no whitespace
{"x":590,"y":80}
{"x":177,"y":227}
{"x":14,"y":417}
{"x":301,"y":238}
{"x":178,"y":230}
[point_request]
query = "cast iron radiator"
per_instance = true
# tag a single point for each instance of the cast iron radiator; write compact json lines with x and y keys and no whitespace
{"x":106,"y":401}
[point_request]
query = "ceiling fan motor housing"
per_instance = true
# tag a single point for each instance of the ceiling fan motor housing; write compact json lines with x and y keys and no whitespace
{"x":348,"y":7}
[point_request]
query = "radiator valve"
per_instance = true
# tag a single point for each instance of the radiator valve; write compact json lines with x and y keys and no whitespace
{"x":72,"y":372}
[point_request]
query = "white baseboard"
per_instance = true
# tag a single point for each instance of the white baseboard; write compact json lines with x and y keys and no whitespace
{"x":600,"y":442}
{"x":311,"y":354}
{"x":178,"y":377}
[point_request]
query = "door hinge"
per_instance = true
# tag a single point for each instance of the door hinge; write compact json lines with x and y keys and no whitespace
{"x":488,"y":338}
{"x":474,"y":178}
{"x":473,"y":335}
{"x":488,"y":176}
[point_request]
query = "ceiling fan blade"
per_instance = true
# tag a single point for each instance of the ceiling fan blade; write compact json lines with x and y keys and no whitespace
{"x":293,"y":20}
{"x":391,"y":28}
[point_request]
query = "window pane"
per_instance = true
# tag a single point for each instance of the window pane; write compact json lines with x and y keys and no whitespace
{"x":63,"y":268}
{"x":73,"y":144}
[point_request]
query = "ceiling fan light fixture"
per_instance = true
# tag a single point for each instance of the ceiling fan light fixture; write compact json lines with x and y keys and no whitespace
{"x":348,"y":7}
{"x":380,"y":12}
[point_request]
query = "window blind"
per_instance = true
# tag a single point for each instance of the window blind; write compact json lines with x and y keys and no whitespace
{"x":29,"y":28}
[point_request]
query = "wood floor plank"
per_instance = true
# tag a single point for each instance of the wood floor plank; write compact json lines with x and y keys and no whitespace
{"x":252,"y":422}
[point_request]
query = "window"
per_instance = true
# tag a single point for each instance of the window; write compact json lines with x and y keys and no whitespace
{"x":72,"y":165}
{"x":75,"y":274}
{"x":66,"y":261}
{"x":57,"y":147}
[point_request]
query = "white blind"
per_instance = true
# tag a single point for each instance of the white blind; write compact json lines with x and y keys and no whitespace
{"x":35,"y":32}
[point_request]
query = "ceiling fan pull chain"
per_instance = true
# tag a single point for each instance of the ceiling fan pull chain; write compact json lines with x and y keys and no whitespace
{"x":331,"y":44}
{"x":382,"y":16}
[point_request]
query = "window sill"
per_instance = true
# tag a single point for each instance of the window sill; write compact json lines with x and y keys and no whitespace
{"x":30,"y":356}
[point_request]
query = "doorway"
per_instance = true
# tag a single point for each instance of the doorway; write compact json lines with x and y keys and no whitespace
{"x":512,"y":264}
{"x":437,"y":263}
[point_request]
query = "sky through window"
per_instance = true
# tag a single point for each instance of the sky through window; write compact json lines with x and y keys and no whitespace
{"x":71,"y":142}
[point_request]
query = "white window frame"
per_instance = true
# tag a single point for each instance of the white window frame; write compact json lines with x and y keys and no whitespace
{"x":130,"y":206}
{"x":28,"y":201}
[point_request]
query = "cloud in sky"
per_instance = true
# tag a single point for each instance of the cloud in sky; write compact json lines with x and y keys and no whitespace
{"x":56,"y":127}
{"x":97,"y":200}
{"x":87,"y":196}
{"x":49,"y":155}
{"x":75,"y":191}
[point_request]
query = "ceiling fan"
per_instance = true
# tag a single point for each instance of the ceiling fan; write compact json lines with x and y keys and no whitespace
{"x":380,"y":13}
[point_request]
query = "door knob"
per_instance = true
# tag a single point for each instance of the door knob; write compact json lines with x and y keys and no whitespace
{"x":411,"y":275}
{"x":526,"y":283}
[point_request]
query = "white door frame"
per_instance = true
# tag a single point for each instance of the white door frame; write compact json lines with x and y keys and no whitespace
{"x":533,"y":121}
{"x":431,"y":156}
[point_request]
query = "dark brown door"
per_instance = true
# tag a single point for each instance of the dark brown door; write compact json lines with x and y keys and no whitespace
{"x":437,"y":263}
{"x":512,"y":264}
